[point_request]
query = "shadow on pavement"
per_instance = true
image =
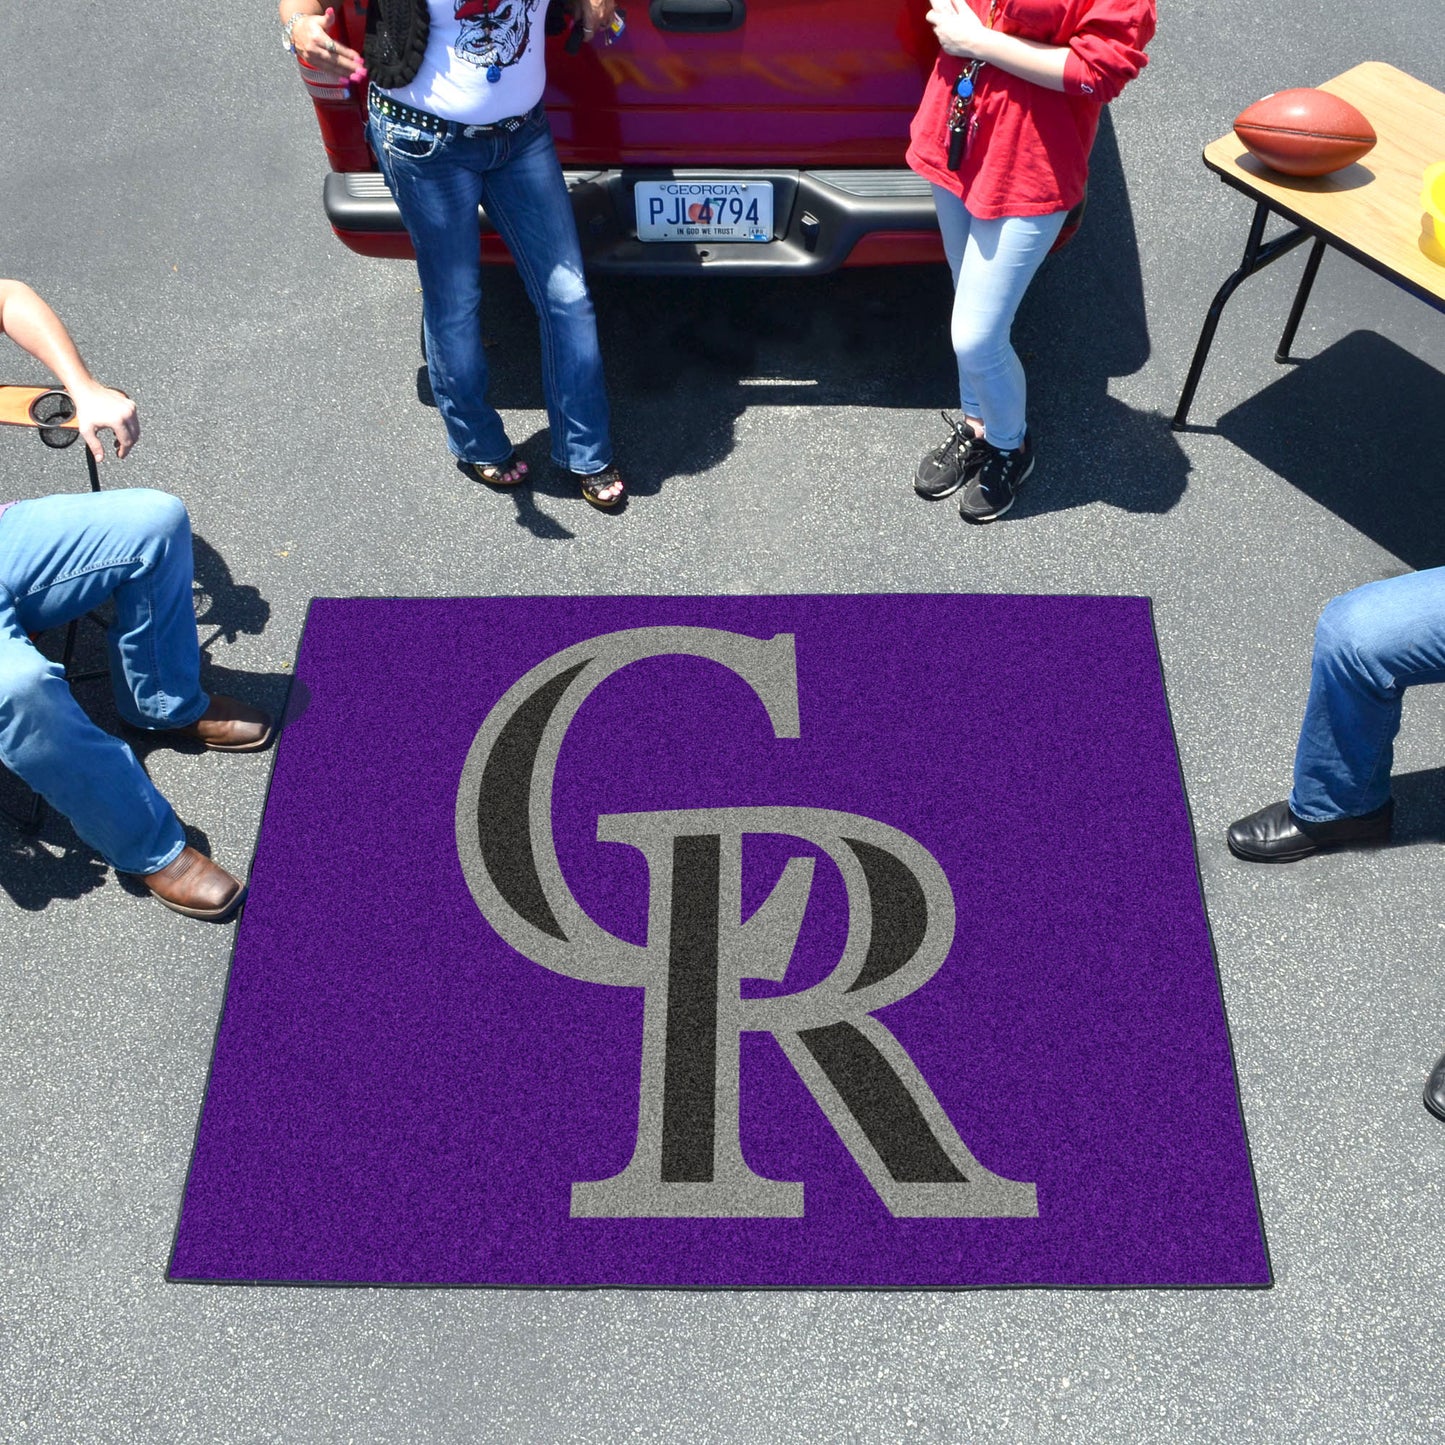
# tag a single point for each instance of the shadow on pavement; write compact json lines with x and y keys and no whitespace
{"x":1419,"y":806}
{"x":691,"y":354}
{"x":686,"y":356}
{"x":1081,"y":324}
{"x":230,"y":607}
{"x":1357,"y":429}
{"x":34,"y":871}
{"x":543,"y":479}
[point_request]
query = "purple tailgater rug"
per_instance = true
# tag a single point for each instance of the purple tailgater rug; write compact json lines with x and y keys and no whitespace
{"x":722,"y":942}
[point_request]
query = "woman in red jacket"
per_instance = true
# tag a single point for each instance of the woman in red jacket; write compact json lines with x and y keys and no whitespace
{"x":1003,"y":133}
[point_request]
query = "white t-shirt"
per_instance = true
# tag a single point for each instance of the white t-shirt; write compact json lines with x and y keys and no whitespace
{"x":483,"y":61}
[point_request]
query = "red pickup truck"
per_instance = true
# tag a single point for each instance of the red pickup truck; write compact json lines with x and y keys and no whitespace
{"x":755,"y":137}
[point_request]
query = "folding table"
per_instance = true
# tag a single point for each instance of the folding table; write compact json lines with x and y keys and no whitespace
{"x":1370,"y":211}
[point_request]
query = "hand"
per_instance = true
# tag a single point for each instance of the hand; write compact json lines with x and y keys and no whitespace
{"x":315,"y":43}
{"x":99,"y":408}
{"x":593,"y":16}
{"x":960,"y":32}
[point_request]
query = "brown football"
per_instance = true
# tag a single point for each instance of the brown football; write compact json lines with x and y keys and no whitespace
{"x":1305,"y":132}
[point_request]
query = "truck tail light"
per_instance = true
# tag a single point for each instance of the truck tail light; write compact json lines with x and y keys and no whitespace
{"x":341,"y":113}
{"x":320,"y":86}
{"x":327,"y":92}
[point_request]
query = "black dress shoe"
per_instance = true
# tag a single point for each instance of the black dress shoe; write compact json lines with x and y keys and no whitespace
{"x":1435,"y":1089}
{"x":1275,"y":835}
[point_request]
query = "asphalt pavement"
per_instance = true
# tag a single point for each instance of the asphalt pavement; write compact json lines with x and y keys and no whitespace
{"x":160,"y":184}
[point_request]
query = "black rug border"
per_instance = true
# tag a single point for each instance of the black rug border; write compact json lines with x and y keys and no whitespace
{"x":170,"y":1277}
{"x":1213,"y":950}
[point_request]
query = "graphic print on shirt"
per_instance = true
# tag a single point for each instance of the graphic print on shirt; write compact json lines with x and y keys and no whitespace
{"x":494,"y":33}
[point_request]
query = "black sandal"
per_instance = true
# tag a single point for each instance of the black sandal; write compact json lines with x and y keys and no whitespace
{"x":595,"y":483}
{"x":494,"y":474}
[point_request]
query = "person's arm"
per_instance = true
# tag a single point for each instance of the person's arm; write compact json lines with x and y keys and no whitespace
{"x":960,"y":32}
{"x":35,"y":328}
{"x":594,"y":16}
{"x":1105,"y":54}
{"x":314,"y":36}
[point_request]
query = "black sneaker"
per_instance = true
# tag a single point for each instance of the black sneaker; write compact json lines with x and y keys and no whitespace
{"x":992,"y":489}
{"x":945,"y":469}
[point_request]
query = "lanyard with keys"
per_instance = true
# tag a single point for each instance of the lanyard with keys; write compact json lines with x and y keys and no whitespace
{"x":962,"y":102}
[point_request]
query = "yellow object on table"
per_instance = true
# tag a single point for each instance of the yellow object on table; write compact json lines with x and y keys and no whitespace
{"x":1432,"y":233}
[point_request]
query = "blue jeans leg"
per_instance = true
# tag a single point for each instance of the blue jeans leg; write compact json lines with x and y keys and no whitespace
{"x":438,"y":184}
{"x":1370,"y":645}
{"x":992,"y":264}
{"x":528,"y":203}
{"x":59,"y":558}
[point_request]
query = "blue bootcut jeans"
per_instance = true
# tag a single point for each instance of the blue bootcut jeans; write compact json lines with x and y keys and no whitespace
{"x":59,"y":558}
{"x":1370,"y":645}
{"x":438,"y":182}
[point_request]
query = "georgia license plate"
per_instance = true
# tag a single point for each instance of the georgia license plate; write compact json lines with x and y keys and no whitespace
{"x":704,"y":210}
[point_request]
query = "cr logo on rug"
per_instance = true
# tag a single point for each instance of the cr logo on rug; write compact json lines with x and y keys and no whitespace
{"x":688,"y":1162}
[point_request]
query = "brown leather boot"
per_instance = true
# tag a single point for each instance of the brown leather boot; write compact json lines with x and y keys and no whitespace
{"x":193,"y":885}
{"x":228,"y":725}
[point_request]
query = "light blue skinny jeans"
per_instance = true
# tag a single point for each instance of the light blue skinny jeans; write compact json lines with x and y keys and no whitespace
{"x":992,"y":263}
{"x":1370,"y":645}
{"x":59,"y":558}
{"x":438,"y":183}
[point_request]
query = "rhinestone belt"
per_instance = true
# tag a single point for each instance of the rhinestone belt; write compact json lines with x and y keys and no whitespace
{"x":394,"y":110}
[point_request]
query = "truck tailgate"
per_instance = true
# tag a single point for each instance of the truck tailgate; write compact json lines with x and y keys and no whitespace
{"x":796,"y":83}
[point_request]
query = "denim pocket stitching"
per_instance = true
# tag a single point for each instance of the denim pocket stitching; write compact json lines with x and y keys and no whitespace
{"x":392,"y":133}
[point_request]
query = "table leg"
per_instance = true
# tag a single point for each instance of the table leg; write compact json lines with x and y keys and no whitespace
{"x":1257,"y":255}
{"x":1297,"y":310}
{"x":93,"y":616}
